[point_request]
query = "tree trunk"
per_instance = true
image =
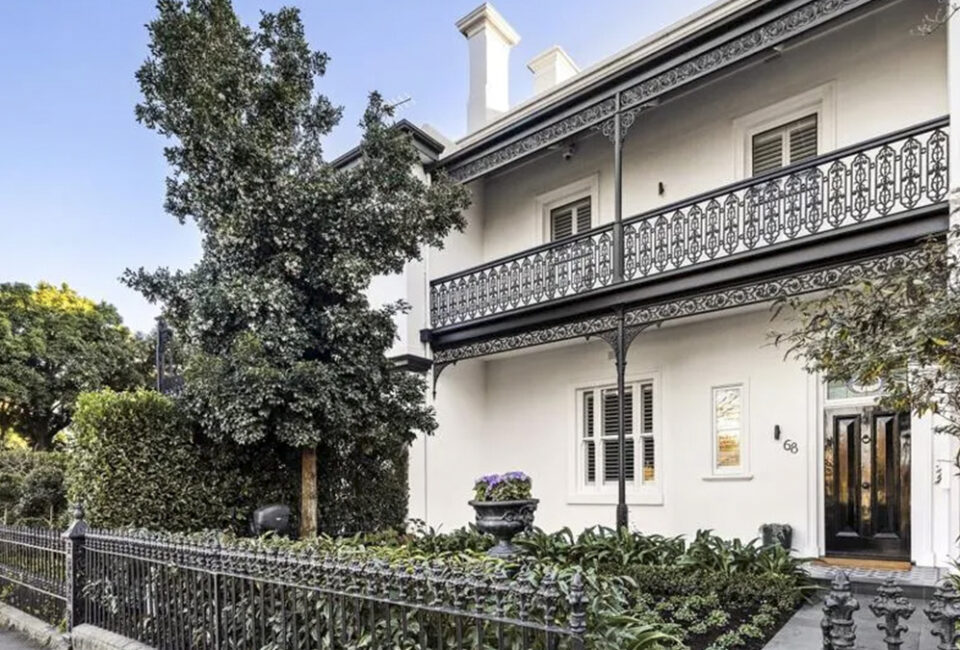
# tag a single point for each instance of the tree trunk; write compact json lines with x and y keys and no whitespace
{"x":308,"y":493}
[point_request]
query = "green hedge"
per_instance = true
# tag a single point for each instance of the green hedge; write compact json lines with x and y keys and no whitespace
{"x":132,"y":462}
{"x":32,"y":490}
{"x":135,"y":460}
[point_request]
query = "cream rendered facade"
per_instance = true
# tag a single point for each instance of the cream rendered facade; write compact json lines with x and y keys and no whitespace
{"x":520,"y":409}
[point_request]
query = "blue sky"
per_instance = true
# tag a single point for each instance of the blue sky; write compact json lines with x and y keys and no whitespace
{"x":81,"y":183}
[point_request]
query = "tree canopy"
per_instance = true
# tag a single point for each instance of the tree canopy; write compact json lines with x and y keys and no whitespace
{"x":901,"y":329}
{"x":279,"y":340}
{"x":54,"y":344}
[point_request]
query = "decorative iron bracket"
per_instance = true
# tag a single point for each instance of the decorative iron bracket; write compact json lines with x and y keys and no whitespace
{"x":608,"y":127}
{"x":438,"y":367}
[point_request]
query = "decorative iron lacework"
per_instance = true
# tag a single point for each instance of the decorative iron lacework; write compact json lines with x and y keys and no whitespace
{"x":526,"y":339}
{"x":565,"y":268}
{"x":739,"y":296}
{"x":767,"y":35}
{"x":896,"y":173}
{"x":897,"y":176}
{"x":544,"y":137}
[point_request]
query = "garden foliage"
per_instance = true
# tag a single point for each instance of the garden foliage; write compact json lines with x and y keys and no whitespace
{"x":706,"y":593}
{"x":136,"y":459}
{"x":55,"y":344}
{"x":643,"y":591}
{"x":32,"y":489}
{"x":280,"y":343}
{"x":512,"y":486}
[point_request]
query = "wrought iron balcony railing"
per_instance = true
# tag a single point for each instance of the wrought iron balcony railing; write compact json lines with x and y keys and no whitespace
{"x":896,"y":173}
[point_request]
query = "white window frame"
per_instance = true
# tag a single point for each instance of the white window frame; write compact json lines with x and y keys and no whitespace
{"x":545,"y":203}
{"x":820,"y":101}
{"x":741,"y":472}
{"x":600,"y":493}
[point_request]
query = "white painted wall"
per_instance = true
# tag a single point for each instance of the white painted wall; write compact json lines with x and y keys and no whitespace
{"x":526,"y":421}
{"x":519,"y":413}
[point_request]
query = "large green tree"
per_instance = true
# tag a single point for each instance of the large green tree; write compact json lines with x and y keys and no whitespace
{"x":279,"y":339}
{"x":901,"y":328}
{"x":55,"y":344}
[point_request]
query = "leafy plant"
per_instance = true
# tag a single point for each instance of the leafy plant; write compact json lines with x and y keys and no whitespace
{"x":55,"y":344}
{"x":512,"y":486}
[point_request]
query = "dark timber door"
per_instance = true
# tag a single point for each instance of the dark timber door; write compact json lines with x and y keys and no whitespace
{"x":867,"y":483}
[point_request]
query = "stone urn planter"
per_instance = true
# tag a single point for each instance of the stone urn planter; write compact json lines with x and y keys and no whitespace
{"x":504,"y":520}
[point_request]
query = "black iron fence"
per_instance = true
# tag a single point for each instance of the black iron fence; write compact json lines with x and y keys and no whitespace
{"x":178,"y":593}
{"x":33,"y":571}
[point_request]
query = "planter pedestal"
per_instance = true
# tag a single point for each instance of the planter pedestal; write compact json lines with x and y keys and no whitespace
{"x":504,"y":520}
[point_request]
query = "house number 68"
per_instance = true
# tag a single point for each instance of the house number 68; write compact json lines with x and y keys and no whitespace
{"x":791,"y":446}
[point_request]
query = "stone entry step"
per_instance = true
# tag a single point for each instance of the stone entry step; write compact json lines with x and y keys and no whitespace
{"x":802,"y":632}
{"x":917,"y":582}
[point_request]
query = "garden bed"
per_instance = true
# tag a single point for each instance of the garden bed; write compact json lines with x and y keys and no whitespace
{"x":708,"y":593}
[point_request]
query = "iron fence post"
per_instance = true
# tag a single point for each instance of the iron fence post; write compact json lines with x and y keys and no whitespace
{"x":838,"y":608}
{"x":944,"y":612}
{"x":74,"y":538}
{"x":890,"y":605}
{"x":578,"y":611}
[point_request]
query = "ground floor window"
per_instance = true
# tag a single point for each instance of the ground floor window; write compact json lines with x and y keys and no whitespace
{"x":598,"y":445}
{"x":728,"y":412}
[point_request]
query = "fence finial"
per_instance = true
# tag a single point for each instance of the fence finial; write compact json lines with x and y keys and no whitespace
{"x":890,"y":605}
{"x":944,"y":612}
{"x":838,"y":608}
{"x":578,"y":605}
{"x":78,"y":512}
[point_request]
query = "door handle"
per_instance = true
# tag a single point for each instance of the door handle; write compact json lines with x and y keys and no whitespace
{"x":865,"y":485}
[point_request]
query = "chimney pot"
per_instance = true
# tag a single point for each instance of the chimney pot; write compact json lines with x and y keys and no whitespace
{"x":489,"y":40}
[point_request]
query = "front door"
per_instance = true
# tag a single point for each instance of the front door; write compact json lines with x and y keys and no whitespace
{"x":867,"y":483}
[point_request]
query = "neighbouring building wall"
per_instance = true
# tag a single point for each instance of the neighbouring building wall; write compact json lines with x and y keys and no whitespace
{"x":879,"y":74}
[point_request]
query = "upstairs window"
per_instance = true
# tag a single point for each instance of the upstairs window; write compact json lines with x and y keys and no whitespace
{"x":785,"y":145}
{"x":600,"y":435}
{"x":570,"y":219}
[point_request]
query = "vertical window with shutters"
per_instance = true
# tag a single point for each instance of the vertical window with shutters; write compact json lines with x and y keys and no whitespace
{"x":785,"y":145}
{"x":570,"y":219}
{"x":599,"y":452}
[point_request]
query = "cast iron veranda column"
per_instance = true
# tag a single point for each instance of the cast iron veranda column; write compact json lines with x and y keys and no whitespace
{"x":621,"y":360}
{"x":617,"y":194}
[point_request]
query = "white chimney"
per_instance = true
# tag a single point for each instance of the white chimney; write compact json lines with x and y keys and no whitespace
{"x":489,"y":39}
{"x":551,"y":68}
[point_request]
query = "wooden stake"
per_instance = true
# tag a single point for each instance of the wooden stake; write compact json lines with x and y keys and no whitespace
{"x":308,"y":493}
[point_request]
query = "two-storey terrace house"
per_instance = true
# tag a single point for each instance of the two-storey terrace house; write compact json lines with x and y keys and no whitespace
{"x":602,"y":323}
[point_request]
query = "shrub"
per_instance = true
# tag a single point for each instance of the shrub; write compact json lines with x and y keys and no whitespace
{"x":132,"y":462}
{"x":32,"y":491}
{"x":136,"y":460}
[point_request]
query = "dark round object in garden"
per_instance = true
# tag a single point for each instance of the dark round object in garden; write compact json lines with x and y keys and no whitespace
{"x":273,"y":518}
{"x":781,"y":534}
{"x":504,"y":520}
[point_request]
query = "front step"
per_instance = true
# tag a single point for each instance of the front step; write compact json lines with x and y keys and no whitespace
{"x":916,"y":582}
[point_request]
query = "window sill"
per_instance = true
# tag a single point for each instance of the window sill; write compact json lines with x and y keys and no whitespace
{"x":635,"y":499}
{"x":727,"y":477}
